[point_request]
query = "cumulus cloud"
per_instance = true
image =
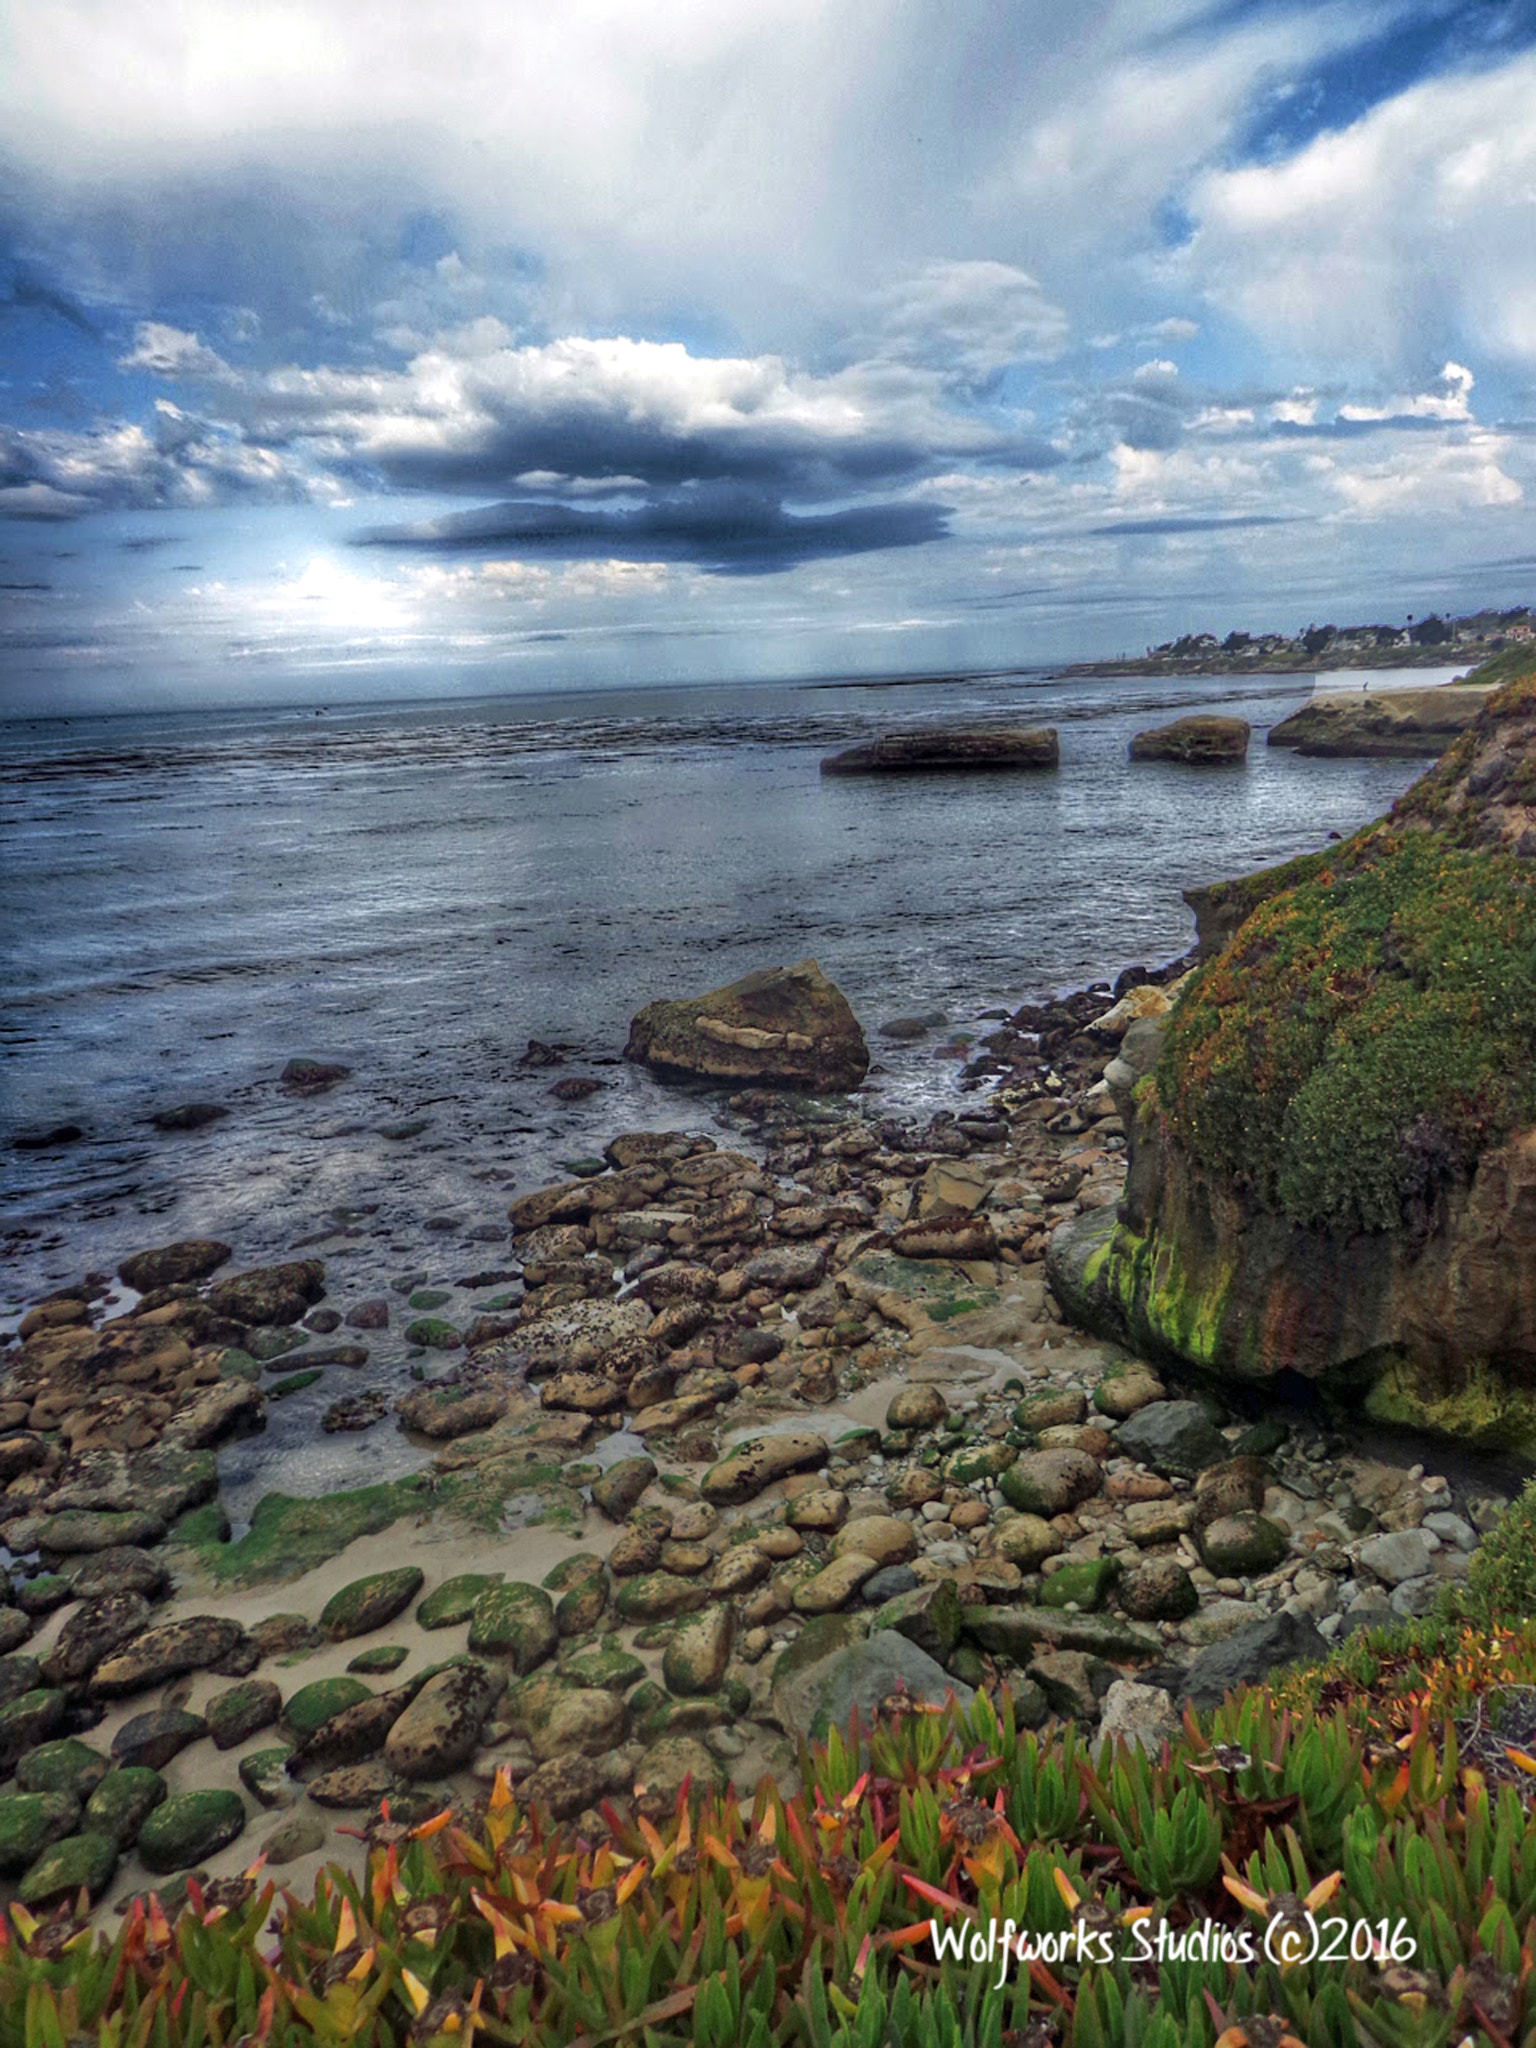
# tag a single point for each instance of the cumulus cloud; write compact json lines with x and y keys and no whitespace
{"x":1411,"y":228}
{"x":54,"y":474}
{"x":481,"y":415}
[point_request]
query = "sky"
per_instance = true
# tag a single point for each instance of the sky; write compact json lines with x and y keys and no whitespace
{"x":356,"y":351}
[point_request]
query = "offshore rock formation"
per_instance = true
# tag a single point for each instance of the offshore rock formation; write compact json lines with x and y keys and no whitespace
{"x":937,"y":752}
{"x":784,"y":1027}
{"x":1395,"y":723}
{"x":1195,"y":742}
{"x":1333,"y":1136}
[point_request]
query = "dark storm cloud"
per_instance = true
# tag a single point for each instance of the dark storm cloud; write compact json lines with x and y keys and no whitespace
{"x":1192,"y":525}
{"x":725,"y":529}
{"x":26,"y":292}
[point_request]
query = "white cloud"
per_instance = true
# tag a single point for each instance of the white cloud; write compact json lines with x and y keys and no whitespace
{"x":475,"y":413}
{"x":1413,"y":228}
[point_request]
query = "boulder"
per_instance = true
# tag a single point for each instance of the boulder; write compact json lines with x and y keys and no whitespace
{"x":1050,"y":1483}
{"x":443,"y":1413}
{"x":173,"y":1265}
{"x":1176,"y":1438}
{"x":754,"y":1466}
{"x":243,"y":1711}
{"x":149,"y":1741}
{"x":694,"y":1661}
{"x":92,"y":1631}
{"x":31,"y":1822}
{"x":201,"y":1642}
{"x":1333,"y":1173}
{"x":187,"y":1829}
{"x":270,"y":1294}
{"x":517,"y":1622}
{"x":83,"y":1862}
{"x":440,"y":1730}
{"x":369,"y":1603}
{"x":121,"y":1802}
{"x":780,"y":1027}
{"x":832,"y":1668}
{"x":1198,"y":742}
{"x":1246,"y":1656}
{"x":885,"y":1539}
{"x":932,"y":750}
{"x":67,"y":1765}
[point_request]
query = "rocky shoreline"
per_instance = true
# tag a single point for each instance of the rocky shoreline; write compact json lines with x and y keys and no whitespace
{"x":738,"y":1437}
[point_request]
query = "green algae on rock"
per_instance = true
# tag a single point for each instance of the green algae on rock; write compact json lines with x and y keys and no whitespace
{"x":454,"y":1600}
{"x":368,"y":1603}
{"x":289,"y":1537}
{"x":188,"y":1828}
{"x":1333,"y":1164}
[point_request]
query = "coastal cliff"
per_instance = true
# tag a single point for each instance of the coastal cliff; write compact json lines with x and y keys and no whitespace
{"x":1334,"y":1154}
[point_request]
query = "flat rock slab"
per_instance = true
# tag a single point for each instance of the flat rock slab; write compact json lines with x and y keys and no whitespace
{"x":1017,"y":1632}
{"x":78,"y":1531}
{"x":942,"y":750}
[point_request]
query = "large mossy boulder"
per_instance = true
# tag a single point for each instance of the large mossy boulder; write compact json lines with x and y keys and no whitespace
{"x":785,"y":1027}
{"x":1333,"y":1162}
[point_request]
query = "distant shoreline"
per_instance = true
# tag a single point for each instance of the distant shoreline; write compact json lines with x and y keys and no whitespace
{"x":1331,"y":658}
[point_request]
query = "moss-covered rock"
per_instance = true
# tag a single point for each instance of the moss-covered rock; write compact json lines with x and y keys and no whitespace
{"x":614,"y":1670}
{"x":31,"y":1822}
{"x":315,"y":1704}
{"x":190,"y":1827}
{"x":27,"y":1721}
{"x":83,"y":1862}
{"x":65,"y":1765}
{"x":1334,"y":1163}
{"x":242,"y":1711}
{"x":264,"y":1774}
{"x":122,"y":1802}
{"x":289,"y":1537}
{"x":367,"y":1604}
{"x":453,"y":1602}
{"x":381,"y":1659}
{"x":516,"y":1622}
{"x":1083,"y":1583}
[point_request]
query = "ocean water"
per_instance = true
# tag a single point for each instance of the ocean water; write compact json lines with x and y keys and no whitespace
{"x":417,"y":891}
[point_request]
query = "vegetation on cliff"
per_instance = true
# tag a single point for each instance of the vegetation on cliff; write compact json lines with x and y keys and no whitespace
{"x":1371,"y":1030}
